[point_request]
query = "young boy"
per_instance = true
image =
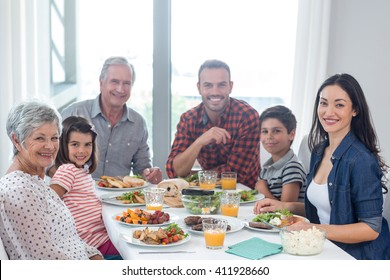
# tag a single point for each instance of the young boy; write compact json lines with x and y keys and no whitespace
{"x":283,"y":177}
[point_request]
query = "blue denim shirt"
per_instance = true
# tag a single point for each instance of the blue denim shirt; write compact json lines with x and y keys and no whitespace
{"x":355,"y":193}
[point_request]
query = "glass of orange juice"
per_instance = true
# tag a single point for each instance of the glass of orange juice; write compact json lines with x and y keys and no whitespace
{"x":230,"y":202}
{"x":207,"y":179}
{"x":154,"y":198}
{"x":214,"y":231}
{"x":228,"y":180}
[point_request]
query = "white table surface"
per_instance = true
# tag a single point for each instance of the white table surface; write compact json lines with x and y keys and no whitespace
{"x":197,"y":244}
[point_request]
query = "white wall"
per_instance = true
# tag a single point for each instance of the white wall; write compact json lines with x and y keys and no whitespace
{"x":359,"y":44}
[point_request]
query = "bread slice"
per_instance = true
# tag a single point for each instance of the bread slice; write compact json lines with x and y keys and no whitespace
{"x":173,"y":186}
{"x":132,"y":182}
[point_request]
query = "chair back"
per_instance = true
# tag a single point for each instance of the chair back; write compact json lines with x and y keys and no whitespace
{"x":304,"y":153}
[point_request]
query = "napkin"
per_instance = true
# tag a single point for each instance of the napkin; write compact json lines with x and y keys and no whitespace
{"x":254,"y":249}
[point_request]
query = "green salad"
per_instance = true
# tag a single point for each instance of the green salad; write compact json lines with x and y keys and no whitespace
{"x":202,"y":204}
{"x":269,"y":216}
{"x":248,"y":195}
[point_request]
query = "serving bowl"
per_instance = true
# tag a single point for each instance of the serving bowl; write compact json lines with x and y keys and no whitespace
{"x":202,"y":204}
{"x":303,"y":242}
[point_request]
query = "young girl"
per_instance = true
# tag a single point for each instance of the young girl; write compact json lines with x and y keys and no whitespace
{"x":76,"y":160}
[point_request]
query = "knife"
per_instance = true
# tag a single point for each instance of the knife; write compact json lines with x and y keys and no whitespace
{"x":275,"y":227}
{"x":165,"y":252}
{"x":196,"y":192}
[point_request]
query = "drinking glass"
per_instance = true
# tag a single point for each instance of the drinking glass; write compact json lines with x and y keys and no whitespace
{"x":214,"y":231}
{"x":207,"y":179}
{"x":154,"y":198}
{"x":230,"y":202}
{"x":228,"y":180}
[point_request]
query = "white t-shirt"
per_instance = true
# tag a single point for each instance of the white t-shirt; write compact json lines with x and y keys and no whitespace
{"x":318,"y":196}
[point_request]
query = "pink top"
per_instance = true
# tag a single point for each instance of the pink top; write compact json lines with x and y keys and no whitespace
{"x":82,"y":202}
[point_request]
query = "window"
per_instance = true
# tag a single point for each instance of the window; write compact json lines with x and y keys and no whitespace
{"x":62,"y":45}
{"x":255,"y":38}
{"x":117,"y":28}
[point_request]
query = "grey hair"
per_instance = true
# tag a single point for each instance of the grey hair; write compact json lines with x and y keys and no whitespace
{"x":116,"y":60}
{"x":27,"y":116}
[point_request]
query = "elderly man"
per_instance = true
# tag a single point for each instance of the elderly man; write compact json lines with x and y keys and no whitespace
{"x":122,"y":132}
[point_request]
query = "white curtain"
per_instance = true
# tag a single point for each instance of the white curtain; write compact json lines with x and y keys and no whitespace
{"x":310,"y":60}
{"x":23,"y":50}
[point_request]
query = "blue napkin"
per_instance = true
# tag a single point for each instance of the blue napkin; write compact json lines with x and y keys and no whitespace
{"x":254,"y":249}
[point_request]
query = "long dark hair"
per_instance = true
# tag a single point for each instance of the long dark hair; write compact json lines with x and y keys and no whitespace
{"x":76,"y":124}
{"x":361,"y":125}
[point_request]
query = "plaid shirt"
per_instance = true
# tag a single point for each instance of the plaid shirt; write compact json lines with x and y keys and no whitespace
{"x":240,"y":154}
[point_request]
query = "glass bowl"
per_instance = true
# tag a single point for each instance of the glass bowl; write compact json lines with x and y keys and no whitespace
{"x":304,"y":242}
{"x":202,"y":204}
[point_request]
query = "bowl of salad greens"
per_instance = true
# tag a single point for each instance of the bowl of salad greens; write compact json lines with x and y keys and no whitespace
{"x":202,"y":204}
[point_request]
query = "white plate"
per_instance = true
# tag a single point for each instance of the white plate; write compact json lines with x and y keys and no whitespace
{"x":235,"y":224}
{"x":172,"y":219}
{"x":110,"y":198}
{"x":249,"y":218}
{"x":129,"y":239}
{"x":123,"y":189}
{"x":260,"y":229}
{"x":257,"y":197}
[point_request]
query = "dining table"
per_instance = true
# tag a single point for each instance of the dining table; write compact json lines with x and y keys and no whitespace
{"x":194,"y":248}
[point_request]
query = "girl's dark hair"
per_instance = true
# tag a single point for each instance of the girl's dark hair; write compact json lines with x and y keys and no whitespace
{"x":76,"y":124}
{"x":361,"y":125}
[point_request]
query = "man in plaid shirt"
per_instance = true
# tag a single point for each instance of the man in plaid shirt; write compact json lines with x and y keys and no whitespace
{"x":222,"y":133}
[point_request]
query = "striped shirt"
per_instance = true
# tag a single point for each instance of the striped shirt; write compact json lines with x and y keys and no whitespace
{"x":285,"y":171}
{"x":240,"y":154}
{"x":83,"y":203}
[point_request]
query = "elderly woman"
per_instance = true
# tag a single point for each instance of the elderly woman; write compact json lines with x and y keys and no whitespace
{"x":35,"y":223}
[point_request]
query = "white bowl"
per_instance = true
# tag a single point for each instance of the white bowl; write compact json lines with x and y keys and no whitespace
{"x":303,"y":242}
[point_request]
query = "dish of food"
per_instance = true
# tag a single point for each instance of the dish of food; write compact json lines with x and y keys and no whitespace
{"x":133,"y":198}
{"x":193,"y":224}
{"x":155,"y":237}
{"x":277,"y":219}
{"x":142,"y":218}
{"x":304,"y":242}
{"x":121,"y":183}
{"x":250,"y":196}
{"x":202,"y":204}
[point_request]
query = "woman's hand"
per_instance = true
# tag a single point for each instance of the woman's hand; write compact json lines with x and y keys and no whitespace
{"x":268,"y":205}
{"x":96,"y":257}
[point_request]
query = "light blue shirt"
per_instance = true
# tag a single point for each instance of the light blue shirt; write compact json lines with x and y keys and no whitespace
{"x":122,"y":148}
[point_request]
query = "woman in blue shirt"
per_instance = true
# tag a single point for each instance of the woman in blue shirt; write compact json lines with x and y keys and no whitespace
{"x":346,"y":178}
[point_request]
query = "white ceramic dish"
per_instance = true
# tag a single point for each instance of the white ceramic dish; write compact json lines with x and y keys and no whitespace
{"x":257,"y":197}
{"x":110,"y":198}
{"x":249,"y":218}
{"x":172,"y":219}
{"x":235,"y":224}
{"x":129,"y":239}
{"x":123,"y":189}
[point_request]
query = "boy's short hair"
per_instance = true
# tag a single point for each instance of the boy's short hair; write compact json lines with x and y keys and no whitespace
{"x":282,"y":114}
